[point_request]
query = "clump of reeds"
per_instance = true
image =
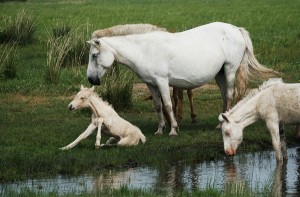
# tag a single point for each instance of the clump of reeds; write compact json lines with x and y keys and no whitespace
{"x":20,"y":30}
{"x":8,"y":60}
{"x":61,"y":29}
{"x":66,"y":48}
{"x":117,"y":87}
{"x":57,"y":51}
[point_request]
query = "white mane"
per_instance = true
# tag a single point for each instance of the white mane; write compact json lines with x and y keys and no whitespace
{"x":121,"y":30}
{"x":254,"y":92}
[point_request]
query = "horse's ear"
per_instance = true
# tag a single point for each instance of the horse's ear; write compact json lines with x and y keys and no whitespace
{"x":89,"y":42}
{"x":92,"y":89}
{"x":81,"y":87}
{"x":222,"y":117}
{"x":97,"y":41}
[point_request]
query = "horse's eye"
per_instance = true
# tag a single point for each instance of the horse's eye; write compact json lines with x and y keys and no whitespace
{"x":82,"y":98}
{"x":227,"y":133}
{"x":95,"y":55}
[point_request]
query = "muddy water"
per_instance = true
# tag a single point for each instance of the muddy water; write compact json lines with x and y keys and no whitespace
{"x":254,"y":171}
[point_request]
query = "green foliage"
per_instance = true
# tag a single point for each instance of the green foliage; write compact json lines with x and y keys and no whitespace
{"x":117,"y":88}
{"x":61,"y":30}
{"x":8,"y":60}
{"x":21,"y":29}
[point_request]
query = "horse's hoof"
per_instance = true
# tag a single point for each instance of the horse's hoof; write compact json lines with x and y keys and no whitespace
{"x":158,"y":133}
{"x":97,"y":146}
{"x":173,"y":133}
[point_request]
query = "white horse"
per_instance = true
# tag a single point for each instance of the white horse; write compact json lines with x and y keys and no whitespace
{"x":184,"y":60}
{"x":106,"y":119}
{"x":275,"y":102}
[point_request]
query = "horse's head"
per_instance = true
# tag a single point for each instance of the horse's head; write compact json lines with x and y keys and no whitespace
{"x":100,"y":59}
{"x":81,"y":100}
{"x":232,"y":134}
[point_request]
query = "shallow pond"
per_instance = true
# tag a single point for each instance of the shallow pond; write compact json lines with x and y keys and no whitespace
{"x":254,"y":171}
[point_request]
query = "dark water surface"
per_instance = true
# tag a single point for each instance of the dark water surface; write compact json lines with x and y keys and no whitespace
{"x":254,"y":171}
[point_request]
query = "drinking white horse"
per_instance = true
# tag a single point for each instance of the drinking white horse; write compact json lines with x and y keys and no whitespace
{"x":106,"y":119}
{"x":275,"y":102}
{"x":184,"y":60}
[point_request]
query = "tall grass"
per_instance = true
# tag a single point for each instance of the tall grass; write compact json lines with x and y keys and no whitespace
{"x":21,"y":29}
{"x":117,"y":87}
{"x":9,"y":57}
{"x":57,"y":51}
{"x":66,"y":48}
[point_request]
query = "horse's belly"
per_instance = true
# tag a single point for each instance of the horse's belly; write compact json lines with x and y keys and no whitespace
{"x":194,"y":74}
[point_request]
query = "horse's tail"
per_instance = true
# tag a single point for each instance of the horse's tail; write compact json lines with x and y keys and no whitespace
{"x":250,"y":68}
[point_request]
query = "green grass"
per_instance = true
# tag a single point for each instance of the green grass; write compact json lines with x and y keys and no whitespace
{"x":35,"y":122}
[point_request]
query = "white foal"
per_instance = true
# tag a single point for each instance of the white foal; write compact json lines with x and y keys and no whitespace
{"x":106,"y":119}
{"x":275,"y":102}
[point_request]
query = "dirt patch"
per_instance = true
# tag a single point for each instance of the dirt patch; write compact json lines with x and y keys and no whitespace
{"x":142,"y":88}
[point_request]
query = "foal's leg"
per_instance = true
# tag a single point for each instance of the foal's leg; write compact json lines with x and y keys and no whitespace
{"x":84,"y":135}
{"x":158,"y":107}
{"x":273,"y":128}
{"x":128,"y":141}
{"x":193,"y":113}
{"x":111,"y":140}
{"x":98,"y":136}
{"x":282,"y":141}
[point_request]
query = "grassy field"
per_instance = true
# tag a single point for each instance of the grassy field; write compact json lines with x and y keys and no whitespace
{"x":35,"y":122}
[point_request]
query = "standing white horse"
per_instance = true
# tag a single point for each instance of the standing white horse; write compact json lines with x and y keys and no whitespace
{"x":185,"y":60}
{"x":275,"y":102}
{"x":106,"y":119}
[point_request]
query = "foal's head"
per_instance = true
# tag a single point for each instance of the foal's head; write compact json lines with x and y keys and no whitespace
{"x":232,"y":134}
{"x":82,"y":99}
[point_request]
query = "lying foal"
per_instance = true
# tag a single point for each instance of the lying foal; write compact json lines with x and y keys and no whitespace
{"x":106,"y":119}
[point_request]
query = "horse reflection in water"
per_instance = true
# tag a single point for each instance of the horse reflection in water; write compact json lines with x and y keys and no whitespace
{"x":169,"y":180}
{"x":236,"y":183}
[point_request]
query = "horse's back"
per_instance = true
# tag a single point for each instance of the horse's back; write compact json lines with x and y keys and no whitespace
{"x":287,"y":101}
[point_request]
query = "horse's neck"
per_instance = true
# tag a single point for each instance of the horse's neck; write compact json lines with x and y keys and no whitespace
{"x":98,"y":107}
{"x":247,"y":113}
{"x":126,"y":49}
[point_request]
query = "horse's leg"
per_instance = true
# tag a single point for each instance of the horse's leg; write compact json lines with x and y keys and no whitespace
{"x":273,"y":128}
{"x":193,"y":113}
{"x":298,"y":131}
{"x":229,"y":72}
{"x":158,"y":107}
{"x":282,"y":141}
{"x":128,"y":141}
{"x":98,"y":136}
{"x":221,"y":82}
{"x":84,"y":135}
{"x":179,"y":107}
{"x":111,"y":140}
{"x":163,"y":87}
{"x":175,"y":99}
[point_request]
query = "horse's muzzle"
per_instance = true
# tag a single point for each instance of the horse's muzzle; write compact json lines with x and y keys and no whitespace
{"x":70,"y":107}
{"x":94,"y":80}
{"x":230,"y":152}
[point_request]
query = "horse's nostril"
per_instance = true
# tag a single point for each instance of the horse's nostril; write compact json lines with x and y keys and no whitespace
{"x":94,"y":80}
{"x":71,"y":107}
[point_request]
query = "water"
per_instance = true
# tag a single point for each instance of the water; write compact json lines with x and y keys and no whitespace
{"x":255,"y":171}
